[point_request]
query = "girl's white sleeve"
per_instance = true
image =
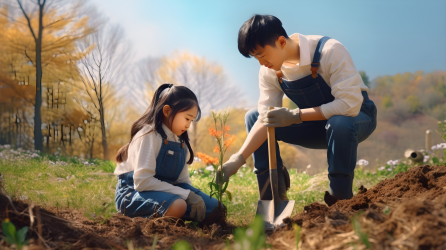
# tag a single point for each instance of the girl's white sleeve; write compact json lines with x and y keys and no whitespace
{"x":184,"y":176}
{"x":146,"y":149}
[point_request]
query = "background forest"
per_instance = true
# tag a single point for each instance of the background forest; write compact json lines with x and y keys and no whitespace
{"x":68,"y":86}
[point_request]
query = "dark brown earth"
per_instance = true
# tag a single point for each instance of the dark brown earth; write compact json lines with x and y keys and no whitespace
{"x":416,"y":219}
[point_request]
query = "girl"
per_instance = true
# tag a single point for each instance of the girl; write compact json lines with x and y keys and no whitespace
{"x":152,"y":171}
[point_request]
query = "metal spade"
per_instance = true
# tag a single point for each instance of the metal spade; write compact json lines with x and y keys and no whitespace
{"x":275,"y":210}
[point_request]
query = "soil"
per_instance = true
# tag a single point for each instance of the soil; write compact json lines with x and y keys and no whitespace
{"x":404,"y":212}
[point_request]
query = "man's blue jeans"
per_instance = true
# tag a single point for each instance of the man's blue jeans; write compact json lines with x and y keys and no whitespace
{"x":340,"y":135}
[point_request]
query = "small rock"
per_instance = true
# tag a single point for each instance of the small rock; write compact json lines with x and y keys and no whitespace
{"x":60,"y":179}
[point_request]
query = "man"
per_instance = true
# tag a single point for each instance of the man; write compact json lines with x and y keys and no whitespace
{"x":317,"y":73}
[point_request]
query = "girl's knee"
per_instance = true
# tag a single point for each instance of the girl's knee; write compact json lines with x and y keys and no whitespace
{"x":177,"y":208}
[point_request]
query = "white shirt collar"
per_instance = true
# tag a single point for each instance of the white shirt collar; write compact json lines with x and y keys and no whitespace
{"x":304,"y":49}
{"x":170,"y":135}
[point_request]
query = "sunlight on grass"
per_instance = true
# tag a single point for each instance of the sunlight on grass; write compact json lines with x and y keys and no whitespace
{"x":69,"y":182}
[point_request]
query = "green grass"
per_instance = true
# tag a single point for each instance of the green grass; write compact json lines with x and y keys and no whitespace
{"x":93,"y":187}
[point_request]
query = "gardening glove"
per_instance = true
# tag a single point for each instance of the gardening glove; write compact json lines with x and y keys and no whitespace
{"x":231,"y":167}
{"x":281,"y":117}
{"x":198,"y":208}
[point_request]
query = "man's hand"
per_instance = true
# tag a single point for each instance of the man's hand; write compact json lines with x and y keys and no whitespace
{"x":198,"y":208}
{"x":281,"y":117}
{"x":231,"y":167}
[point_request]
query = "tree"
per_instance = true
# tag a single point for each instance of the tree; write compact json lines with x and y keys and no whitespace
{"x":365,"y":78}
{"x":47,"y":46}
{"x":102,"y":66}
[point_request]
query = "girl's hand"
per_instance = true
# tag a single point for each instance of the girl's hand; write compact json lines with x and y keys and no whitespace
{"x":198,"y":210}
{"x":231,"y":167}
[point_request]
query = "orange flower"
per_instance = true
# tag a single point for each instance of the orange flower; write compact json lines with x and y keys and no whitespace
{"x":227,"y":128}
{"x":214,"y":132}
{"x":207,"y":159}
{"x":229,"y":141}
{"x":216,"y":149}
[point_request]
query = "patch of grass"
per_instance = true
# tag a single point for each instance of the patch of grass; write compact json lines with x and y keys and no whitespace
{"x":64,"y":182}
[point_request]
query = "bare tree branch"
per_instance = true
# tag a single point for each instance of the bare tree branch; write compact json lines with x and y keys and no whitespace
{"x":27,"y":18}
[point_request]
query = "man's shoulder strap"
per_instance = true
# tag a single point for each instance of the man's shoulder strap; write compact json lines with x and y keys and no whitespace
{"x":317,"y":55}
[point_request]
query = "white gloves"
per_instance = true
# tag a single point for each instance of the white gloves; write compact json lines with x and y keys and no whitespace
{"x":231,"y":166}
{"x":280,"y":117}
{"x":198,"y":208}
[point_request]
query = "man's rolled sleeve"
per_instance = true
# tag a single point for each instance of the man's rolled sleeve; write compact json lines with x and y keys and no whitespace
{"x":345,"y":83}
{"x":270,"y":95}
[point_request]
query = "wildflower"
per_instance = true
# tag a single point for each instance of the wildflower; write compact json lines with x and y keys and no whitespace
{"x":210,"y":168}
{"x":229,"y":141}
{"x":362,"y":162}
{"x":214,"y":132}
{"x":227,"y":128}
{"x":62,"y":163}
{"x":216,"y":149}
{"x":207,"y":159}
{"x":392,"y":163}
{"x":381,"y":168}
{"x":309,"y":166}
{"x":304,"y":172}
{"x":426,"y":158}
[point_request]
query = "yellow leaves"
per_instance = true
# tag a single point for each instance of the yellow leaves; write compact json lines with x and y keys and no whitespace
{"x":179,"y":61}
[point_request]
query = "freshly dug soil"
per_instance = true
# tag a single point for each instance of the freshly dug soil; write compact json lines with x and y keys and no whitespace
{"x":405,"y":212}
{"x":415,"y":202}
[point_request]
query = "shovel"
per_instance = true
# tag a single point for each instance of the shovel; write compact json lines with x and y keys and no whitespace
{"x":275,"y":210}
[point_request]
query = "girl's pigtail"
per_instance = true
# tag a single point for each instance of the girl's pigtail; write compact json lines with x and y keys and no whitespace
{"x":122,"y":153}
{"x":185,"y":138}
{"x":147,"y":118}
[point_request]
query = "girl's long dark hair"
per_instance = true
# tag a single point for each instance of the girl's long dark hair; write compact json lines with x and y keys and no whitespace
{"x":180,"y":99}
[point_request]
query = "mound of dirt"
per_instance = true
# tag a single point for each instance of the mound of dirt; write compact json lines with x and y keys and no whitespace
{"x":405,"y":212}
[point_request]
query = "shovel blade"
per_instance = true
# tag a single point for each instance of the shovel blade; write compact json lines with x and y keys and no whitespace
{"x":274,"y":212}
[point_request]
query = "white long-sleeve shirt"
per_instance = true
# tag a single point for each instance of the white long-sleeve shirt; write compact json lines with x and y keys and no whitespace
{"x":336,"y":68}
{"x":141,"y":159}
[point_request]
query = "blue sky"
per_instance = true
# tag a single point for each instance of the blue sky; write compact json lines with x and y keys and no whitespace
{"x":383,"y":37}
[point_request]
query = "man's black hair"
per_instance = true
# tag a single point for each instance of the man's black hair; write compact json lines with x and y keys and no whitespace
{"x":259,"y":30}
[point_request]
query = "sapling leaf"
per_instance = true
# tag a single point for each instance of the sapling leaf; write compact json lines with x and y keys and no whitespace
{"x":21,"y":234}
{"x":229,"y":195}
{"x":9,"y":231}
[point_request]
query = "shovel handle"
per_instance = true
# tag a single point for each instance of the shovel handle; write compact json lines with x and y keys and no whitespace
{"x":272,"y":146}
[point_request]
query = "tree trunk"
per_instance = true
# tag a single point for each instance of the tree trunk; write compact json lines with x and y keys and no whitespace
{"x":104,"y":134}
{"x":38,"y":142}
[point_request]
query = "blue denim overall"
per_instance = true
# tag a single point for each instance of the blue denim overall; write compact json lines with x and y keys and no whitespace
{"x":339,"y":134}
{"x":170,"y":162}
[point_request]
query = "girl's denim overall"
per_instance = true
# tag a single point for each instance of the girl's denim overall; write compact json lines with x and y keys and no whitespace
{"x":339,"y":134}
{"x":170,"y":162}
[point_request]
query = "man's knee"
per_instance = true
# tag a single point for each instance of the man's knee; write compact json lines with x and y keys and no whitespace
{"x":340,"y":126}
{"x":251,"y":118}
